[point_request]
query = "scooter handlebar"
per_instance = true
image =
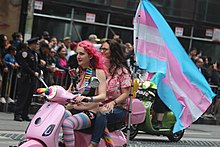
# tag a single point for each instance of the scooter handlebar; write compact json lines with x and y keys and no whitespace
{"x":84,"y":100}
{"x":74,"y":101}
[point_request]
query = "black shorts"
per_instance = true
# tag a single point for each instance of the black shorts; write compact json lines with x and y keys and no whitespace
{"x":91,"y":115}
{"x":159,"y":106}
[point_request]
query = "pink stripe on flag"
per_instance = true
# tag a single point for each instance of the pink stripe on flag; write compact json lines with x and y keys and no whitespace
{"x":152,"y":50}
{"x":194,"y":94}
{"x":146,"y":18}
{"x":182,"y":81}
{"x":186,"y":117}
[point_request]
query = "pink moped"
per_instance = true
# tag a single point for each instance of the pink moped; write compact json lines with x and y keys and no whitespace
{"x":44,"y":129}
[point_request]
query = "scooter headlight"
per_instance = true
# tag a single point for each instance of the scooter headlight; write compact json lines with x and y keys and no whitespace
{"x":52,"y":92}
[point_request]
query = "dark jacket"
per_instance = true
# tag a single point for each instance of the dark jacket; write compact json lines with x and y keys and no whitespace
{"x":215,"y":78}
{"x":29,"y":61}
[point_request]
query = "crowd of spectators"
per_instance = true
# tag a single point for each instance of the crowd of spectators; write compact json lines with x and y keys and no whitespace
{"x":60,"y":57}
{"x":211,"y":71}
{"x":209,"y":68}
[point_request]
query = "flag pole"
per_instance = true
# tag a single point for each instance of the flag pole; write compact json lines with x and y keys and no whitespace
{"x":132,"y":85}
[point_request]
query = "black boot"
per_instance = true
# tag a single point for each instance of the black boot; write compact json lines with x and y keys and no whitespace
{"x":159,"y":125}
{"x":26,"y":118}
{"x":18,"y":118}
{"x":61,"y":144}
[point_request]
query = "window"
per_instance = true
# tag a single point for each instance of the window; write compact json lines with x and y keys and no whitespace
{"x":126,"y":35}
{"x":103,"y":2}
{"x":80,"y":14}
{"x":84,"y":30}
{"x":176,"y":8}
{"x":56,"y":28}
{"x":117,"y":19}
{"x":208,"y":49}
{"x":55,"y":10}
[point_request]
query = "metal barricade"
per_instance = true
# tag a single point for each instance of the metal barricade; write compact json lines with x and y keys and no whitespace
{"x":9,"y":87}
{"x":61,"y":78}
{"x":10,"y":82}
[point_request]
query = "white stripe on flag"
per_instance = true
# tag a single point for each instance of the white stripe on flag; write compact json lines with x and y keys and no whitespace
{"x":194,"y":110}
{"x":150,"y":34}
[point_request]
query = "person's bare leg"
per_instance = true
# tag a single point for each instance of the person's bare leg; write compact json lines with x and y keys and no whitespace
{"x":159,"y":120}
{"x":160,"y":117}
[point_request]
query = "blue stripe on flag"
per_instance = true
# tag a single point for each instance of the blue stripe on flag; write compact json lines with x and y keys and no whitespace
{"x":151,"y":64}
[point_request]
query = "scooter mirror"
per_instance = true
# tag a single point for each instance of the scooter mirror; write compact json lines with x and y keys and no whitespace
{"x":94,"y":82}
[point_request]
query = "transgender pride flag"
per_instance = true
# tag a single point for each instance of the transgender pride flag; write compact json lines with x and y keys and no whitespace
{"x":181,"y":86}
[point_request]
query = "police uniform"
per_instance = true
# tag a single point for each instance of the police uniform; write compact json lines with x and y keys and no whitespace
{"x":28,"y":59}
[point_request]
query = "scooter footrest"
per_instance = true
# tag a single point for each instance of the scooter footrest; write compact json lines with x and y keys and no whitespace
{"x":164,"y":130}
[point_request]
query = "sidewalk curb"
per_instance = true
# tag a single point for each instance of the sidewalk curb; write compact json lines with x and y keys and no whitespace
{"x":207,"y":119}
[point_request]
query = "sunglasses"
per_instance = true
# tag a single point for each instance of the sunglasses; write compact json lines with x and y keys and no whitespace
{"x":103,"y":49}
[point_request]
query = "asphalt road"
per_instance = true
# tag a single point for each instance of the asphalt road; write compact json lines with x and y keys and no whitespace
{"x":195,"y":136}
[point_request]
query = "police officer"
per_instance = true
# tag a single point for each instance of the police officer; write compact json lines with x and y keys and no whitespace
{"x":29,"y":62}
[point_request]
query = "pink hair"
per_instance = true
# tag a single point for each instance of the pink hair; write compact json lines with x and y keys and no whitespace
{"x":91,"y":50}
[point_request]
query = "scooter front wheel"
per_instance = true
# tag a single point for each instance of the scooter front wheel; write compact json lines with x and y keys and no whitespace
{"x":175,"y":137}
{"x":133,"y":131}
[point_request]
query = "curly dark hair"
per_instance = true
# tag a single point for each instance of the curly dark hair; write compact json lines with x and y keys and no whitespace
{"x":117,"y":58}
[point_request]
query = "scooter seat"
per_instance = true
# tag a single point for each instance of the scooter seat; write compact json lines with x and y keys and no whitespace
{"x":86,"y":131}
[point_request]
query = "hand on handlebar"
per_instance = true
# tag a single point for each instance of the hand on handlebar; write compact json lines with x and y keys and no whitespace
{"x":70,"y":106}
{"x":80,"y":99}
{"x":36,"y":74}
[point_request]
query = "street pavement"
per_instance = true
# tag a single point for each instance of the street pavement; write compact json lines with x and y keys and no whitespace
{"x":196,"y":136}
{"x":7,"y":126}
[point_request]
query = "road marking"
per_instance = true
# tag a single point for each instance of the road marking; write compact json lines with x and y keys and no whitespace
{"x":150,"y":137}
{"x":13,"y":132}
{"x":197,"y":133}
{"x":201,"y":139}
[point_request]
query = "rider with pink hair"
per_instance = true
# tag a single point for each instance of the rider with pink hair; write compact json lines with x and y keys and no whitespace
{"x":90,"y":65}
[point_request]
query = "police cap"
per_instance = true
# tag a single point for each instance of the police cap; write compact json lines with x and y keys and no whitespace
{"x":33,"y":40}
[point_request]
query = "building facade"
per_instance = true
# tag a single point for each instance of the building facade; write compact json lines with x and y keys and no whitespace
{"x":195,"y":22}
{"x":9,"y":16}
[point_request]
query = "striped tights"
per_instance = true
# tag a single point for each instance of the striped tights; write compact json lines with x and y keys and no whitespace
{"x":75,"y":122}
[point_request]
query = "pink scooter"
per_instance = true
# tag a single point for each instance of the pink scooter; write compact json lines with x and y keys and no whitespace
{"x":44,"y":129}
